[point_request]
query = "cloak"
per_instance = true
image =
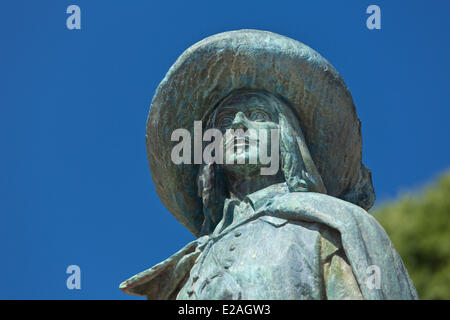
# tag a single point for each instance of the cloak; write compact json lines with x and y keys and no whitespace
{"x":364,"y":241}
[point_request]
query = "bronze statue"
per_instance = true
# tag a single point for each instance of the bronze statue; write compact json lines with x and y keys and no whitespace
{"x":300,"y":232}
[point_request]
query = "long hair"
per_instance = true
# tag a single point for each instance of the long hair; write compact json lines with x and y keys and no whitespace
{"x":298,"y":168}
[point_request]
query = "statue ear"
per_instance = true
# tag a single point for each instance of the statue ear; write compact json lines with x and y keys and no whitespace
{"x":298,"y":167}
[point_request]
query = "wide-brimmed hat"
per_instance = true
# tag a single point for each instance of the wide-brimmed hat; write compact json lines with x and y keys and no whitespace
{"x":251,"y":59}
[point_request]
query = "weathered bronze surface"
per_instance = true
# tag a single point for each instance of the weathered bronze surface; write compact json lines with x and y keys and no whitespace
{"x":302,"y":233}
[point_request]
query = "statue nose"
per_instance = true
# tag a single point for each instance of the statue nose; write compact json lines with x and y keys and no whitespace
{"x":240,"y":121}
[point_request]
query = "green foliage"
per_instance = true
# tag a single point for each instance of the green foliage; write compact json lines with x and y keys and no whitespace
{"x":419,"y":227}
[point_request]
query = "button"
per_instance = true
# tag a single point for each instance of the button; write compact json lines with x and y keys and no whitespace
{"x":232,"y":248}
{"x":237,"y":233}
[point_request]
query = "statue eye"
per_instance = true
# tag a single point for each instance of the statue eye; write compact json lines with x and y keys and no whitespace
{"x":259,"y":116}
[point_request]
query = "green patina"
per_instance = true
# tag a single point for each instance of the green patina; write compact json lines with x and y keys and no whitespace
{"x":301,"y":233}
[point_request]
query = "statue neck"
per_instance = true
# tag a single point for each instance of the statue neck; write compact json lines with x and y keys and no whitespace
{"x":240,"y":187}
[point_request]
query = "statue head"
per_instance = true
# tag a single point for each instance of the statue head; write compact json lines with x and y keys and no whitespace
{"x":256,"y":79}
{"x":251,"y":112}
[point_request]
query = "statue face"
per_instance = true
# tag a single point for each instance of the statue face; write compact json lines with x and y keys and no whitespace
{"x":246,"y":111}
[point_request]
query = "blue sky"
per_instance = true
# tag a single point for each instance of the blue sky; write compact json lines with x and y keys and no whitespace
{"x":75,"y":187}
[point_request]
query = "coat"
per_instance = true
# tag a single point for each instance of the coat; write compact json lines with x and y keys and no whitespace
{"x":298,"y":245}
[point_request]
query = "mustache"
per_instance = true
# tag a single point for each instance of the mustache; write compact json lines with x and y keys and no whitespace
{"x":239,"y":139}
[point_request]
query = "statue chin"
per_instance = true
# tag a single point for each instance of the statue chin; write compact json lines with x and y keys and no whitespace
{"x":243,"y":171}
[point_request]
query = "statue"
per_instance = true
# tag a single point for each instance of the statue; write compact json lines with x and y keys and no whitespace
{"x":301,"y":232}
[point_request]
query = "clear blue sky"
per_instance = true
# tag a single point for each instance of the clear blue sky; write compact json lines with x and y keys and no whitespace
{"x":75,"y":187}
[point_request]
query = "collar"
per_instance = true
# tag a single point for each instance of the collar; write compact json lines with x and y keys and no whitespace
{"x":259,"y":198}
{"x":255,"y":200}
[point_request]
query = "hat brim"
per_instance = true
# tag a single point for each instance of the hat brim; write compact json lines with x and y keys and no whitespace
{"x":211,"y":69}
